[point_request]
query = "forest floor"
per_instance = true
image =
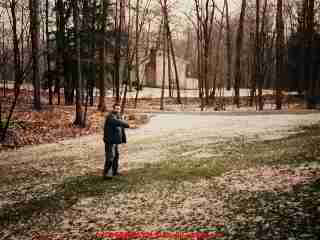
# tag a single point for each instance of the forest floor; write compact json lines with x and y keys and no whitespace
{"x":251,"y":175}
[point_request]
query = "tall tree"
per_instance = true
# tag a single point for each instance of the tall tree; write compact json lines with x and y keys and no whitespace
{"x":256,"y":57}
{"x":92,"y":79}
{"x":117,"y":56}
{"x":260,"y":51}
{"x":49,"y":75}
{"x":102,"y":56}
{"x":35,"y":39}
{"x":18,"y":72}
{"x":79,"y":121}
{"x":137,"y":45}
{"x":239,"y":44}
{"x":279,"y":54}
{"x":205,"y":17}
{"x":61,"y":41}
{"x":3,"y":59}
{"x":165,"y":38}
{"x":229,"y":46}
{"x":169,"y":71}
{"x":309,"y":41}
{"x":217,"y":57}
{"x":164,"y":6}
{"x":127,"y":70}
{"x":134,"y":55}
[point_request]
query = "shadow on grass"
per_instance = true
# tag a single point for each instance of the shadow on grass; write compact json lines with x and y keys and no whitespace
{"x":282,"y":215}
{"x":68,"y":193}
{"x":64,"y":196}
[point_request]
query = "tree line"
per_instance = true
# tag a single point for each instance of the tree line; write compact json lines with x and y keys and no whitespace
{"x":263,"y":44}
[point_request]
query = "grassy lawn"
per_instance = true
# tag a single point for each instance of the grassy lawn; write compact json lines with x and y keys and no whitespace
{"x":196,"y":186}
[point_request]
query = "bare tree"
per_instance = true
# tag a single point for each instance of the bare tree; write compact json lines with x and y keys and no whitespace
{"x":228,"y":43}
{"x":279,"y":54}
{"x":4,"y":57}
{"x":79,"y":121}
{"x":239,"y":44}
{"x":18,"y":71}
{"x":169,"y":71}
{"x":140,"y":21}
{"x":128,"y":62}
{"x":137,"y":44}
{"x":61,"y":45}
{"x":256,"y":63}
{"x":205,"y":17}
{"x":165,"y":38}
{"x":164,"y":6}
{"x":309,"y":8}
{"x":102,"y":57}
{"x":217,"y":58}
{"x":35,"y":38}
{"x":119,"y":23}
{"x":48,"y":54}
{"x":261,"y":66}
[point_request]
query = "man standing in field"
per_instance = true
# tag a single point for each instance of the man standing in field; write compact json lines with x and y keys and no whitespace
{"x":114,"y":134}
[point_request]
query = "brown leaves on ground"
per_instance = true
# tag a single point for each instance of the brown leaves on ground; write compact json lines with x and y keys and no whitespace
{"x":52,"y":123}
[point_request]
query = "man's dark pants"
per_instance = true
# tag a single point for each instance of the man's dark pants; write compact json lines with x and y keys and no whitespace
{"x":112,"y":158}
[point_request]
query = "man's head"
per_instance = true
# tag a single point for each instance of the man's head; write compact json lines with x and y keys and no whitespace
{"x":116,"y":108}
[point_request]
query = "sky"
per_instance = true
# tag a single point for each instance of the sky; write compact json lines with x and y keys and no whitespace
{"x":187,"y":5}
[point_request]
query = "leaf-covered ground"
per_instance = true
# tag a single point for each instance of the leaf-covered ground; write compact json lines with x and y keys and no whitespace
{"x":256,"y":187}
{"x":53,"y":123}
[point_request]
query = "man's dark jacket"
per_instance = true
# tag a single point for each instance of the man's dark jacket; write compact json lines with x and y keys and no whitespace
{"x":114,"y":129}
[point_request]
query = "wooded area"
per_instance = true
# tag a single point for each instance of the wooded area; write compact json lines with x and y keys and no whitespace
{"x":71,"y":52}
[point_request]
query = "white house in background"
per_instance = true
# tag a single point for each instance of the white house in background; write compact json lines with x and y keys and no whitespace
{"x":152,"y":72}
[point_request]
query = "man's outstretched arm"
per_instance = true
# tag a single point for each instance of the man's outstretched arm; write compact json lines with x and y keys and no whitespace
{"x":118,"y":123}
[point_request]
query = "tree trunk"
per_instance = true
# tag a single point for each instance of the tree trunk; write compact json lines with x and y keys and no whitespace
{"x":129,"y":61}
{"x":118,"y":48}
{"x":35,"y":38}
{"x":310,"y":25}
{"x":79,"y":121}
{"x":205,"y":25}
{"x":199,"y":64}
{"x":102,"y":56}
{"x":164,"y":6}
{"x":93,"y":53}
{"x":17,"y":66}
{"x":48,"y":54}
{"x":229,"y":46}
{"x":60,"y":60}
{"x":137,"y":46}
{"x":169,"y":71}
{"x":256,"y":63}
{"x":217,"y":59}
{"x":163,"y":69}
{"x":22,"y":37}
{"x":279,"y":54}
{"x":260,"y":50}
{"x":239,"y":44}
{"x":3,"y":60}
{"x":86,"y":46}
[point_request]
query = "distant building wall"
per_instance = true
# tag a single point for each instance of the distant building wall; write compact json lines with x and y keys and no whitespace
{"x":154,"y":73}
